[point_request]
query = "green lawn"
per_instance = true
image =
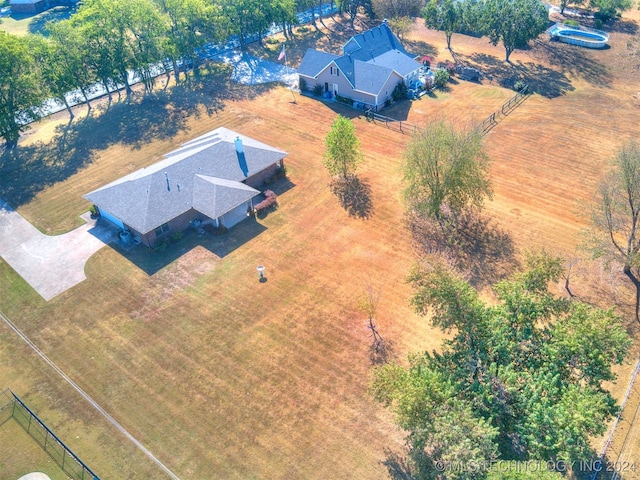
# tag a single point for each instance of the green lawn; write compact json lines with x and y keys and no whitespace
{"x":22,"y":24}
{"x":17,"y":446}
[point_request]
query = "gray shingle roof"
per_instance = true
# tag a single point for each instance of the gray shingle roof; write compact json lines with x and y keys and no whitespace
{"x":398,"y":61}
{"x":373,"y":43}
{"x":368,"y":60}
{"x":314,"y":62}
{"x":370,"y":78}
{"x":204,"y":173}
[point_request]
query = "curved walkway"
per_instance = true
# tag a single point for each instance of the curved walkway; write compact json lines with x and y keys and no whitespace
{"x":50,"y":264}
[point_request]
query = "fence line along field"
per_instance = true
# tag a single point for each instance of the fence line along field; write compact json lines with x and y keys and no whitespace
{"x":222,"y":376}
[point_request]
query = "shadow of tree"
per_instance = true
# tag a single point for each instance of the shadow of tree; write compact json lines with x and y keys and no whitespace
{"x":542,"y":80}
{"x":56,"y":14}
{"x":381,"y":352}
{"x":475,"y":243}
{"x":398,"y":110}
{"x":397,"y":466}
{"x":621,"y":25}
{"x":162,"y":114}
{"x":418,"y":47}
{"x":354,"y":195}
{"x":573,"y":59}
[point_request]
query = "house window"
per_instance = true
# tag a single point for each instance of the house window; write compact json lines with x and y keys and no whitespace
{"x":162,"y":229}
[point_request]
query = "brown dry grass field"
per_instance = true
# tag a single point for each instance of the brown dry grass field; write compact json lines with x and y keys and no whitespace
{"x":221,"y":376}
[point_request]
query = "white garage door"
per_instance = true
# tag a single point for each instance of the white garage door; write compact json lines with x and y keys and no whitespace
{"x":115,"y":220}
{"x":235,"y":216}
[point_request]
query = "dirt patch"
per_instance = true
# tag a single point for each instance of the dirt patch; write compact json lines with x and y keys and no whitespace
{"x":176,"y":277}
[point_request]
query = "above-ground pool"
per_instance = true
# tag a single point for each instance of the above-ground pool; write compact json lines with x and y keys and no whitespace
{"x":584,"y":37}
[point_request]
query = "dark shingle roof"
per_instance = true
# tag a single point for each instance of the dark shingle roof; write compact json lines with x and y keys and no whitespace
{"x":373,"y":43}
{"x":314,"y":62}
{"x":370,"y":78}
{"x":398,"y":61}
{"x":368,"y":60}
{"x":205,"y":174}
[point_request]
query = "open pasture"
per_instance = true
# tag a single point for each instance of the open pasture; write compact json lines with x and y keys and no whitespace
{"x":222,"y":376}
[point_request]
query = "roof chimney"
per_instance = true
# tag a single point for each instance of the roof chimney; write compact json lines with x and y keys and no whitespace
{"x":242,"y":161}
{"x":239,"y":146}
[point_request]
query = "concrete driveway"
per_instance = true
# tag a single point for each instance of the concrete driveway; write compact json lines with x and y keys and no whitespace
{"x":50,"y":264}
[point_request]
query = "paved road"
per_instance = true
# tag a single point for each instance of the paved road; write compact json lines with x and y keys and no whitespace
{"x":50,"y":264}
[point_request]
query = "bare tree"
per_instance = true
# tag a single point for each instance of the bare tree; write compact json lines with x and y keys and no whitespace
{"x":368,"y":304}
{"x":615,"y":229}
{"x":569,"y":272}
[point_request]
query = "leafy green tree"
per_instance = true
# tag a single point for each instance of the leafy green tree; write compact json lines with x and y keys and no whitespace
{"x":441,"y":77}
{"x":99,"y":23}
{"x":615,"y":217}
{"x":121,"y":36}
{"x":192,"y":23}
{"x":283,"y":13}
{"x":352,"y":7}
{"x":401,"y":26}
{"x":446,"y":170}
{"x":607,"y":10}
{"x":146,"y":28}
{"x":472,"y":13}
{"x":443,"y":430}
{"x":343,"y":154}
{"x":527,"y":369}
{"x":246,"y":17}
{"x":22,"y":89}
{"x":69,"y":70}
{"x":513,"y":22}
{"x":444,"y":16}
{"x":302,"y":5}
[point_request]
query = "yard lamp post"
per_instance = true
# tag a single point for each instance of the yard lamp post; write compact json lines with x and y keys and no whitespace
{"x":260,"y":269}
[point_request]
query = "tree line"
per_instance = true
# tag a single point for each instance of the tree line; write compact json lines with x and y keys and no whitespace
{"x":104,"y":40}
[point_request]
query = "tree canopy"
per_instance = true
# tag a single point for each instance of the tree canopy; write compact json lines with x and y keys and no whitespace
{"x":513,"y":22}
{"x":343,"y":154}
{"x":445,"y":16}
{"x":522,"y":377}
{"x":446,"y":169}
{"x":607,"y":10}
{"x":21,"y":89}
{"x":105,"y":41}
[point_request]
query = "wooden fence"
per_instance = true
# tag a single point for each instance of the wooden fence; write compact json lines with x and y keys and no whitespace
{"x":391,"y":123}
{"x":485,"y":127}
{"x":508,"y":107}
